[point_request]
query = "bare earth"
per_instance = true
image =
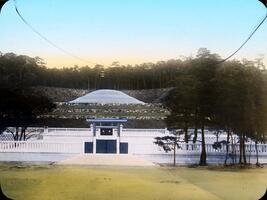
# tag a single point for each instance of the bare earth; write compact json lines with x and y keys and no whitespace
{"x":44,"y":182}
{"x":107,"y":160}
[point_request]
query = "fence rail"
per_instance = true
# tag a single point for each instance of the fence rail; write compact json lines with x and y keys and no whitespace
{"x":71,"y":147}
{"x":40,"y":147}
{"x":196,"y":148}
{"x":68,"y":129}
{"x":127,"y":130}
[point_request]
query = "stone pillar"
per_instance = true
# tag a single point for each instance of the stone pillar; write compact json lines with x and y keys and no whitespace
{"x":119,"y":138}
{"x":45,"y":130}
{"x":121,"y":127}
{"x":94,"y":145}
{"x":118,"y":145}
{"x":92,"y":128}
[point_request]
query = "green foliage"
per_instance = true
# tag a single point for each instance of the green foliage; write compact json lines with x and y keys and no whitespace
{"x":21,"y":107}
{"x":27,"y":71}
{"x":230,"y":96}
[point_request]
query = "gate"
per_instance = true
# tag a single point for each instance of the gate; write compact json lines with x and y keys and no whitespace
{"x":123,"y":148}
{"x":106,"y":146}
{"x":88,"y":147}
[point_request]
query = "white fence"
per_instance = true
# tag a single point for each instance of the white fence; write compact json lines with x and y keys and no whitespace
{"x":145,"y":130}
{"x":40,"y":147}
{"x":68,"y":130}
{"x":196,"y":148}
{"x":67,"y":133}
{"x":77,"y":147}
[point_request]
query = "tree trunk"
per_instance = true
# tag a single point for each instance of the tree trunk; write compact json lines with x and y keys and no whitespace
{"x":233,"y":149}
{"x":203,"y":156}
{"x":196,"y":129}
{"x":24,"y":134}
{"x":241,"y":150}
{"x":244,"y":150}
{"x":186,"y":138}
{"x":257,"y":153}
{"x":227,"y":147}
{"x":17,"y":134}
{"x":249,"y":155}
{"x":242,"y":154}
{"x":174,"y":154}
{"x":21,"y":134}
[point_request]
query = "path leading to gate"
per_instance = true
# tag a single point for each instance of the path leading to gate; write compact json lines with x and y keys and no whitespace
{"x":107,"y":160}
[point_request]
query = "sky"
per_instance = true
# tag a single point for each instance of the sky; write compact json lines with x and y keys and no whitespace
{"x":132,"y":31}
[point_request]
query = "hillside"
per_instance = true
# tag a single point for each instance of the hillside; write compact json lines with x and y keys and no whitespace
{"x":150,"y":115}
{"x":61,"y":94}
{"x":65,"y":94}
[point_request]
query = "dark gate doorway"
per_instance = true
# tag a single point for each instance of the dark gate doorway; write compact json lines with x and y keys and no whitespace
{"x":106,"y":146}
{"x":88,"y":147}
{"x":123,"y":148}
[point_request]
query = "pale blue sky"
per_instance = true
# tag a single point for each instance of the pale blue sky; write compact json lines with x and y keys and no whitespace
{"x":132,"y":31}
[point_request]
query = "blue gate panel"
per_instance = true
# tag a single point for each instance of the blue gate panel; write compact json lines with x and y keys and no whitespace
{"x":88,"y":147}
{"x":112,"y":146}
{"x":106,"y":146}
{"x":123,"y":148}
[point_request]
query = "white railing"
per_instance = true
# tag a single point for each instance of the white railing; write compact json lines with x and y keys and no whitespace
{"x":145,"y":130}
{"x":40,"y":147}
{"x":69,"y":130}
{"x":196,"y":148}
{"x":77,"y":147}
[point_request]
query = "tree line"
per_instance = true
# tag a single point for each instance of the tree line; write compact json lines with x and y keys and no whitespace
{"x":229,"y":97}
{"x":28,"y":71}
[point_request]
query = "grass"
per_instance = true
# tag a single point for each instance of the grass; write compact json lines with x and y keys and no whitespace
{"x":100,"y":183}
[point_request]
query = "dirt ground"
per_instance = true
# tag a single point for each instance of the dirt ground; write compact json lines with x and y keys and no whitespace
{"x":107,"y":160}
{"x":30,"y":182}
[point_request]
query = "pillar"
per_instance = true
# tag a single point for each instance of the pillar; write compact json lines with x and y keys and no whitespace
{"x":92,"y":128}
{"x":94,"y":145}
{"x":118,"y":145}
{"x":45,"y":130}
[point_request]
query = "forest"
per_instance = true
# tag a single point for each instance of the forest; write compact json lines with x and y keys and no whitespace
{"x":229,"y":96}
{"x":27,"y":71}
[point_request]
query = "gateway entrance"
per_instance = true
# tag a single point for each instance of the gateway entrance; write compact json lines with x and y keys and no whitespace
{"x":106,"y":146}
{"x":106,"y":137}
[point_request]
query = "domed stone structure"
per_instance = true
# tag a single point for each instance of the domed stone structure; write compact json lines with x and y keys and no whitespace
{"x":106,"y":97}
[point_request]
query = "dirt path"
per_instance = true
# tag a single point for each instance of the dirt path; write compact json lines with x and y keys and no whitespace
{"x":107,"y":160}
